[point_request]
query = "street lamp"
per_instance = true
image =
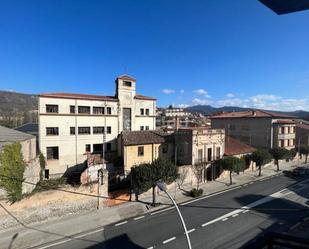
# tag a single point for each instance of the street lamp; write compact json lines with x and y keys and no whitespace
{"x":162,"y":187}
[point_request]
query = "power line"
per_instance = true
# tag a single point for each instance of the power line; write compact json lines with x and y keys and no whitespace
{"x":165,"y":204}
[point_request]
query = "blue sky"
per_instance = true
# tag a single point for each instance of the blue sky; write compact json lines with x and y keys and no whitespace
{"x":183,"y":52}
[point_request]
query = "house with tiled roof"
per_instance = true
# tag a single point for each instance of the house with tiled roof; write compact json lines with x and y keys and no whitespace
{"x":234,"y":147}
{"x":258,"y":128}
{"x":72,"y":125}
{"x":138,"y":147}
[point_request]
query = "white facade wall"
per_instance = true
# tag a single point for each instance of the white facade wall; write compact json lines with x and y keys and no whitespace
{"x":72,"y":148}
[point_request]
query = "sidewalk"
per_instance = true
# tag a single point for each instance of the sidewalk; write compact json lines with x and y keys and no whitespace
{"x":70,"y":226}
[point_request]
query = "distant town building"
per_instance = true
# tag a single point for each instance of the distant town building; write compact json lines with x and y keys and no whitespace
{"x":27,"y":141}
{"x":74,"y":125}
{"x":175,"y":112}
{"x":260,"y":129}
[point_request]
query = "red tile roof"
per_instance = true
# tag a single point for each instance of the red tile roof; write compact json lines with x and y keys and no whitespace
{"x":126,"y":77}
{"x":137,"y":96}
{"x":78,"y":96}
{"x":288,"y":121}
{"x":145,"y":137}
{"x":235,"y":147}
{"x":250,"y":114}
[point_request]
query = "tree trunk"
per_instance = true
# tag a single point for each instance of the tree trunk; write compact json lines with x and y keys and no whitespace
{"x":306,"y":159}
{"x":278,"y":165}
{"x":231,"y":178}
{"x":260,"y":170}
{"x":153,"y":195}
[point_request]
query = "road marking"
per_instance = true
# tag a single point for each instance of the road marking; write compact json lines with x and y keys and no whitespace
{"x":73,"y":237}
{"x":121,"y":223}
{"x":246,"y":211}
{"x":140,"y":217}
{"x":225,"y":219}
{"x":150,"y":247}
{"x":169,"y":240}
{"x":249,"y":206}
{"x":192,"y":230}
{"x":161,"y":211}
{"x":246,"y":184}
{"x":250,"y":182}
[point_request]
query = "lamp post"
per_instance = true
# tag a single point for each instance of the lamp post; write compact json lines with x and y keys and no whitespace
{"x":162,"y":187}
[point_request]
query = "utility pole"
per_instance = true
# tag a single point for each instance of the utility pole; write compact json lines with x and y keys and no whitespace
{"x":98,"y":200}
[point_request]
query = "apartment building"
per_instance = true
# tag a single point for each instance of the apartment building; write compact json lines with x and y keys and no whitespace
{"x":261,"y":129}
{"x":74,"y":125}
{"x":302,"y":134}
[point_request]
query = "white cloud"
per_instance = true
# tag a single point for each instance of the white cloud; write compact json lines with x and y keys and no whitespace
{"x":230,"y":95}
{"x":182,"y":91}
{"x":202,"y":92}
{"x":198,"y":101}
{"x":229,"y":102}
{"x":168,"y":91}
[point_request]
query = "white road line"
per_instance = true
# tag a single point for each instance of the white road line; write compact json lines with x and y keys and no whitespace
{"x":169,"y":240}
{"x":251,"y":205}
{"x":235,"y":215}
{"x":150,"y":247}
{"x":121,"y":223}
{"x":191,"y":230}
{"x":225,"y":219}
{"x":246,"y":211}
{"x":250,"y":182}
{"x":73,"y":237}
{"x":161,"y":211}
{"x":140,"y":217}
{"x":246,"y":184}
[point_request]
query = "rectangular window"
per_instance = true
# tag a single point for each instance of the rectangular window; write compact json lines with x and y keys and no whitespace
{"x":209,"y":156}
{"x":140,"y":151}
{"x":52,"y":131}
{"x":88,"y":148}
{"x":282,"y":130}
{"x":97,"y":148}
{"x":108,"y":129}
{"x":52,"y":108}
{"x":142,"y":128}
{"x":108,"y":146}
{"x":281,"y":143}
{"x":52,"y":153}
{"x":142,"y":111}
{"x":147,"y":112}
{"x":109,"y":110}
{"x":127,"y":83}
{"x":147,"y":127}
{"x":72,"y":109}
{"x":84,"y":109}
{"x":98,"y":130}
{"x":72,"y":130}
{"x":83,"y":130}
{"x":218,"y":153}
{"x":97,"y":110}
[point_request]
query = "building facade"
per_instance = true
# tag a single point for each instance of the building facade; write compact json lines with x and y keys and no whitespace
{"x":260,"y":129}
{"x":302,"y":134}
{"x":199,"y":144}
{"x":74,"y":125}
{"x":138,"y":147}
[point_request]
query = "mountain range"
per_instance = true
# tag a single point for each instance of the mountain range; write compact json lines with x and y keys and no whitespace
{"x":209,"y":110}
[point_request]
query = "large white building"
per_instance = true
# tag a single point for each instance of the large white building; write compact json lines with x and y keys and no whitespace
{"x":73,"y":125}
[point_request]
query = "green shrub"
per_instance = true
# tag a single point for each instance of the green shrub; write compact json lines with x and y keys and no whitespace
{"x":196,"y":192}
{"x":12,"y":167}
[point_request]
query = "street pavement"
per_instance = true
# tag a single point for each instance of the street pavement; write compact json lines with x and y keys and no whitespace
{"x":230,"y":219}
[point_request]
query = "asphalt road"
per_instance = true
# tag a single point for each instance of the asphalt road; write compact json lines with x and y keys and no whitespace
{"x":227,"y":220}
